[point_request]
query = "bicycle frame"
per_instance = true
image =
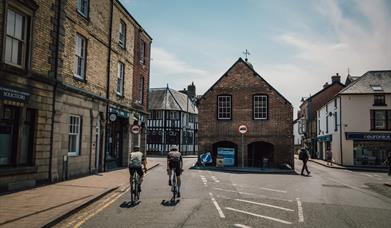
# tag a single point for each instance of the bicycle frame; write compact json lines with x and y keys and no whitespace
{"x":134,"y":191}
{"x":174,"y":187}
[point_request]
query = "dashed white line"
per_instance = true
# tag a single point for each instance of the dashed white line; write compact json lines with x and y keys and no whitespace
{"x":204,"y":180}
{"x":267,"y":189}
{"x":241,"y":225}
{"x":300,"y":210}
{"x":264,"y":204}
{"x":215,"y":179}
{"x":217,"y":206}
{"x":260,"y":216}
{"x":253,"y":194}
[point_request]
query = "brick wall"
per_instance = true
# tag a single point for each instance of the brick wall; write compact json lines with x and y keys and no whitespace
{"x":242,"y":83}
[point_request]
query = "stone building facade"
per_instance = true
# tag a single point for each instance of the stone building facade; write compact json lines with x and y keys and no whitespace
{"x":26,"y":91}
{"x":242,"y":97}
{"x":78,"y":73}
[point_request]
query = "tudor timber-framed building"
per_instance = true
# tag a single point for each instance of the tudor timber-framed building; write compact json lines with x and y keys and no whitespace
{"x":76,"y":69}
{"x":173,"y":121}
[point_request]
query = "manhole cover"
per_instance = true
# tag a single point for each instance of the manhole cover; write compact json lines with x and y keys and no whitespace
{"x":335,"y":186}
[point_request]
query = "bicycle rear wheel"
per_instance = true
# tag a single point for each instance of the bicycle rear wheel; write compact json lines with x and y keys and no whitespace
{"x":174,"y":187}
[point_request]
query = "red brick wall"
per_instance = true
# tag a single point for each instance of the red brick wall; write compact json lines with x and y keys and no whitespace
{"x":141,"y":69}
{"x":242,"y":83}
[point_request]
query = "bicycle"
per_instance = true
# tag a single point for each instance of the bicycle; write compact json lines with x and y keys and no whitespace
{"x":174,"y":187}
{"x":134,"y":188}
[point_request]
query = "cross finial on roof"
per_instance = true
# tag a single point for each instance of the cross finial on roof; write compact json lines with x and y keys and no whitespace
{"x":246,"y":53}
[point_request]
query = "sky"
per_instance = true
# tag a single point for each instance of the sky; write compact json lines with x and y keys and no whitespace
{"x":295,"y":45}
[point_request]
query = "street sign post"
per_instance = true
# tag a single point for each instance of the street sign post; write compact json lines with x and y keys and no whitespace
{"x":242,"y":130}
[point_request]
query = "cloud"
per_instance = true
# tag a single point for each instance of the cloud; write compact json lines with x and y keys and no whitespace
{"x":167,"y":67}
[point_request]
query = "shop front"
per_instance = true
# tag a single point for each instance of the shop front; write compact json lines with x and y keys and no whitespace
{"x":370,"y":149}
{"x":17,"y":123}
{"x":324,"y":144}
{"x":117,"y":138}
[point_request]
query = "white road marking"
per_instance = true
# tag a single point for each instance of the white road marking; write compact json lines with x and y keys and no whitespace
{"x":204,"y":180}
{"x":264,"y":204}
{"x":260,"y":216}
{"x":217,"y":206}
{"x":365,"y":174}
{"x":215,"y":179}
{"x":242,"y":226}
{"x":224,"y":197}
{"x":242,"y":193}
{"x":364,"y":186}
{"x":377,"y":175}
{"x":253,"y":194}
{"x":267,"y":189}
{"x":300,"y":210}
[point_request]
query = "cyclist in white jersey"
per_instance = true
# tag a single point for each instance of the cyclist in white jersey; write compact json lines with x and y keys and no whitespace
{"x":136,"y":160}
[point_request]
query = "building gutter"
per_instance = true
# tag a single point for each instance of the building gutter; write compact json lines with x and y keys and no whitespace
{"x":56,"y":59}
{"x":108,"y":82}
{"x":340,"y":129}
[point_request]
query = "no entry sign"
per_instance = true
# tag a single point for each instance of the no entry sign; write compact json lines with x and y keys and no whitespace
{"x":242,"y":129}
{"x":136,"y":129}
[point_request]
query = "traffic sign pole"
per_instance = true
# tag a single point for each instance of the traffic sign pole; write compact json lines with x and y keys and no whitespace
{"x":242,"y":130}
{"x":242,"y":150}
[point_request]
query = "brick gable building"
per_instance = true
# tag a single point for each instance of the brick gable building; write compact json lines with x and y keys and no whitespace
{"x":242,"y":96}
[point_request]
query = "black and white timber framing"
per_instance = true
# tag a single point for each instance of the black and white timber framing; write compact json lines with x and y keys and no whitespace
{"x":173,"y":120}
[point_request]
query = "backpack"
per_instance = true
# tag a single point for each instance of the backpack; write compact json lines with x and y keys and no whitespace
{"x":302,"y":154}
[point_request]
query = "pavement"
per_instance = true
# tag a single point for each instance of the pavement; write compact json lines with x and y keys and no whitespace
{"x":46,"y":205}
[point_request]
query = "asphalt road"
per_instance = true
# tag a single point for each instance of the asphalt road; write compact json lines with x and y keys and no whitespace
{"x":327,"y":198}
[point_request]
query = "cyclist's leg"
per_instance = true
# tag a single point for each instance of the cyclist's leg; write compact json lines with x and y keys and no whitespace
{"x":131,"y":172}
{"x":178,"y":176}
{"x":169,"y":173}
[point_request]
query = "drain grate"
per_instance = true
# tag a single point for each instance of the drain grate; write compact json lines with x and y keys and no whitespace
{"x":335,"y":186}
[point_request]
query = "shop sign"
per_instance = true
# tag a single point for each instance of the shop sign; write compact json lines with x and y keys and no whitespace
{"x":325,"y":138}
{"x":15,"y":95}
{"x":368,"y":136}
{"x":119,"y":112}
{"x":228,"y":154}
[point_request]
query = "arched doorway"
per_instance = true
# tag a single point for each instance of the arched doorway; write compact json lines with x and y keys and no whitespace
{"x":226,"y":146}
{"x":257,"y":151}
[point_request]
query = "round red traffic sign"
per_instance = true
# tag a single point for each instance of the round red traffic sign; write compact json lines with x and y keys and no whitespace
{"x":136,"y":129}
{"x":242,"y":129}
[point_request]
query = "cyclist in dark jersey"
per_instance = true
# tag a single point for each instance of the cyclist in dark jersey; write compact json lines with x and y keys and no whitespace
{"x":174,"y":161}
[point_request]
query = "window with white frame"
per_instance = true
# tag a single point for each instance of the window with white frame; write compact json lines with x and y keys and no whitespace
{"x":120,"y":81}
{"x":80,"y":57}
{"x":260,"y":107}
{"x":122,"y":34}
{"x":224,"y":107}
{"x":16,"y":39}
{"x":82,"y":7}
{"x":74,"y":135}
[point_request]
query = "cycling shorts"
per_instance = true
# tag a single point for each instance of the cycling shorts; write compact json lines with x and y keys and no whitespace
{"x":176,"y":165}
{"x":137,"y":169}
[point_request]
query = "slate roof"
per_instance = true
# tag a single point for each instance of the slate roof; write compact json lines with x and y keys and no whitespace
{"x":169,"y":99}
{"x":250,"y":66}
{"x":364,"y":84}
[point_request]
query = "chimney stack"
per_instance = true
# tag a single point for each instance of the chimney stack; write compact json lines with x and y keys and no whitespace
{"x":325,"y":85}
{"x":336,"y":78}
{"x":191,"y":91}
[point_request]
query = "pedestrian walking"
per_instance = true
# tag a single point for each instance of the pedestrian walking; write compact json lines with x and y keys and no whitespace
{"x":304,"y":156}
{"x":329,"y":157}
